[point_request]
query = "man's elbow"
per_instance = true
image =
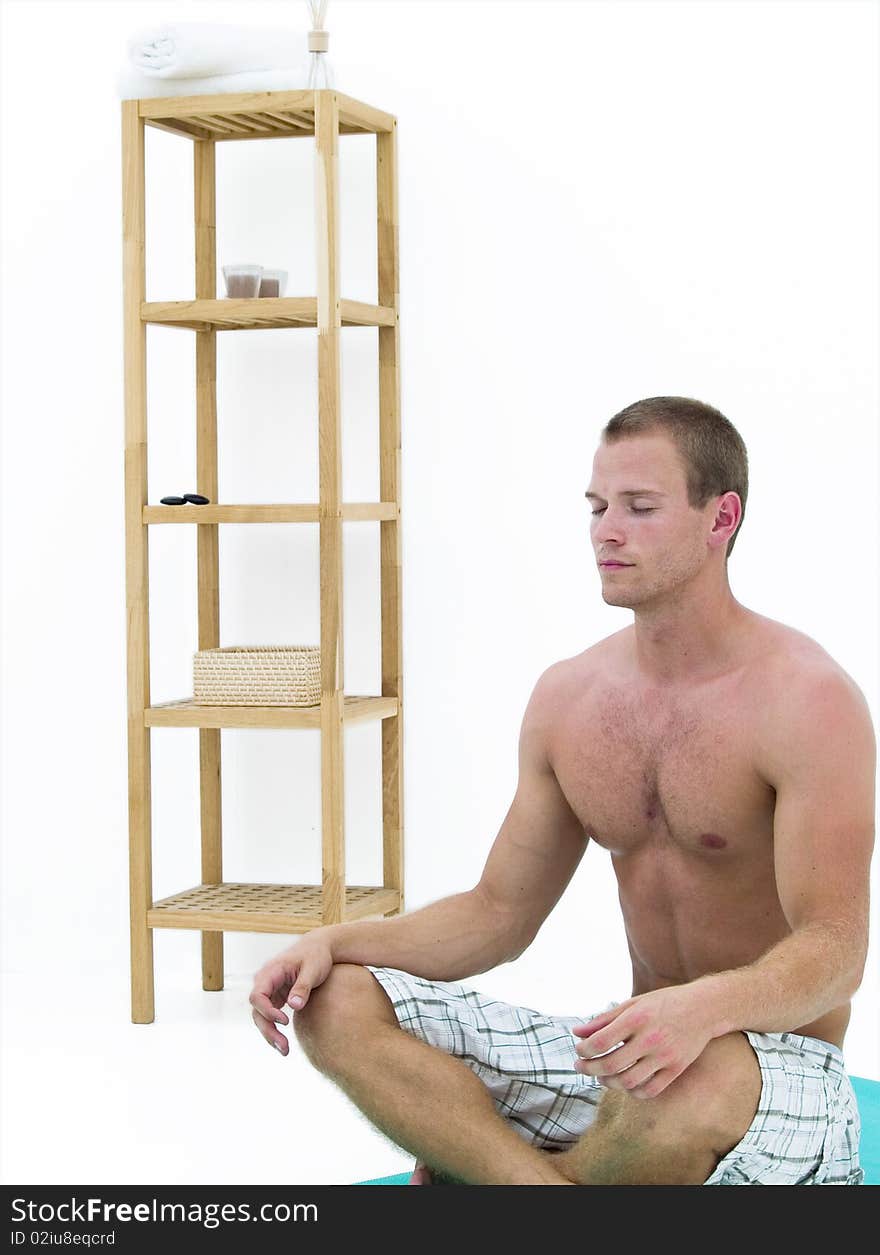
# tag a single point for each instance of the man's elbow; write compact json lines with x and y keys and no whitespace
{"x":856,"y":970}
{"x":854,"y":958}
{"x":514,"y":933}
{"x":520,"y":948}
{"x":851,"y":946}
{"x":522,"y":933}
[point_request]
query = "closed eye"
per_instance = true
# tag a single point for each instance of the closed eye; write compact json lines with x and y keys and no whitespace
{"x":647,"y":509}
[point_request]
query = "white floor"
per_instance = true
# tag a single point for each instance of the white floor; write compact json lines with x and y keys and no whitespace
{"x":196,"y":1097}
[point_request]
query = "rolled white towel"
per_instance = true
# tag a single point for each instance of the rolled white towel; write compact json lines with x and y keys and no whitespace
{"x":133,"y":84}
{"x":204,"y":49}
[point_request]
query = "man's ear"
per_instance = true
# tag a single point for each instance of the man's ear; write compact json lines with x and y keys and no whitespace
{"x":728,"y":513}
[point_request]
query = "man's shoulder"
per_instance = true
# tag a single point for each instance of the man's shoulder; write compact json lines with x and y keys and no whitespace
{"x":603,"y":653}
{"x":789,"y":662}
{"x":562,"y":689}
{"x":798,"y":690}
{"x":574,"y":675}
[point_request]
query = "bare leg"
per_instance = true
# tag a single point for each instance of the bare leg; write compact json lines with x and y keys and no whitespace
{"x":420,"y":1097}
{"x":679,"y":1136}
{"x":621,"y":1150}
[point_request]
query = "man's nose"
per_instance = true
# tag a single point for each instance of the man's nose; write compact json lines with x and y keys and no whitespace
{"x":608,"y":528}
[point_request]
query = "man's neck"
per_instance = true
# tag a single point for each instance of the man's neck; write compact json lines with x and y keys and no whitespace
{"x":692,"y":639}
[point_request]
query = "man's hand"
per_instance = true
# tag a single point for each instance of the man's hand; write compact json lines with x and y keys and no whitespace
{"x":661,"y":1032}
{"x":287,"y":980}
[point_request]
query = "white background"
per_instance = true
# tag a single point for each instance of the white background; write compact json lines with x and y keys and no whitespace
{"x":599,"y":202}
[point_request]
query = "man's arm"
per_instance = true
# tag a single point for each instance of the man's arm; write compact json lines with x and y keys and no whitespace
{"x":821,"y":760}
{"x":533,"y":858}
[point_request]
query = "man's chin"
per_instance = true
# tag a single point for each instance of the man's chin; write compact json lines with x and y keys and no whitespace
{"x":614,"y":598}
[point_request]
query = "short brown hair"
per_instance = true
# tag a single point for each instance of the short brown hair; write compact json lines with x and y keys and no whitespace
{"x":713,"y":451}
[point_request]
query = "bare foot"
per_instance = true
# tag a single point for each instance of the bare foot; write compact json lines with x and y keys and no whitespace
{"x":423,"y":1175}
{"x":560,"y":1163}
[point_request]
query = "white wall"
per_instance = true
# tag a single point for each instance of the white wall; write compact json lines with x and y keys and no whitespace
{"x":599,"y":201}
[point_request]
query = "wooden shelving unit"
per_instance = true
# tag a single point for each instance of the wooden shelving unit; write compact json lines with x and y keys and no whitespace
{"x":215,"y":906}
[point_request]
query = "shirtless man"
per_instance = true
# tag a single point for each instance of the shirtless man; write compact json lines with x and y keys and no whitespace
{"x":727,"y":765}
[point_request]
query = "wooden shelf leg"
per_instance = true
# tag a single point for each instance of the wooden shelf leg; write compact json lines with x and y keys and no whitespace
{"x":212,"y":857}
{"x":332,"y":810}
{"x":137,"y":563}
{"x":390,"y":533}
{"x":330,"y":498}
{"x":140,"y":875}
{"x":208,"y":558}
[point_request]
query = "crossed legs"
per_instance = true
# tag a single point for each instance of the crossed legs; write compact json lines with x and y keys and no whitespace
{"x":433,"y":1104}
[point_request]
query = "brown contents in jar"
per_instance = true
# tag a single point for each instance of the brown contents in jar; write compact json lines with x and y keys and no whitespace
{"x":241,"y":285}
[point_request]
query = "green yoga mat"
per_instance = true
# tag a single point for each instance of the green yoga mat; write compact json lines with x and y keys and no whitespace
{"x":868,"y":1096}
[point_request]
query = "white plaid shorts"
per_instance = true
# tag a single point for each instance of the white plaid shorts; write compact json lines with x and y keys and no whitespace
{"x":805,"y":1131}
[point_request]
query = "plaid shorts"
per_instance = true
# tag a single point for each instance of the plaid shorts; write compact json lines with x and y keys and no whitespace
{"x":805,"y":1131}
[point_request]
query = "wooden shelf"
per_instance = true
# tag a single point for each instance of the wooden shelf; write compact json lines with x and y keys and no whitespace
{"x":259,"y":115}
{"x":264,"y":908}
{"x":189,"y":714}
{"x":215,"y":906}
{"x":354,"y":512}
{"x":253,"y":313}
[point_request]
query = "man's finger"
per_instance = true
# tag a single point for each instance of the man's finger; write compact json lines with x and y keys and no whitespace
{"x":262,"y":1003}
{"x":271,"y":982}
{"x":271,"y":1034}
{"x":632,"y":1080}
{"x":597,"y":1022}
{"x":608,"y":1061}
{"x":299,"y":994}
{"x":654,"y":1085}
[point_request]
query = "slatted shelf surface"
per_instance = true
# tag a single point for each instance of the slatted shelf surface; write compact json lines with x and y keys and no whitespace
{"x":189,"y":714}
{"x":258,"y":115}
{"x":263,"y":908}
{"x":232,"y":313}
{"x":354,"y":512}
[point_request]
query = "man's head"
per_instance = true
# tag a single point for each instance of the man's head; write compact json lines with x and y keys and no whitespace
{"x":694,"y":462}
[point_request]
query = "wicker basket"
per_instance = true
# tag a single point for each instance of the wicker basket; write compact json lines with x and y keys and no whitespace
{"x":258,"y":675}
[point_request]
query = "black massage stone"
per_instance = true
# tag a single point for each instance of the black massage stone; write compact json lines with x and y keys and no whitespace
{"x":195,"y":499}
{"x":173,"y":501}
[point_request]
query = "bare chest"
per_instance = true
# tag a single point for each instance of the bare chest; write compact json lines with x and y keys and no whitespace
{"x":668,"y":771}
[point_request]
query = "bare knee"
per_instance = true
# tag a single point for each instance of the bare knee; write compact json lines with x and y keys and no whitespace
{"x":339,"y":1013}
{"x":678,"y":1136}
{"x":710,"y":1105}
